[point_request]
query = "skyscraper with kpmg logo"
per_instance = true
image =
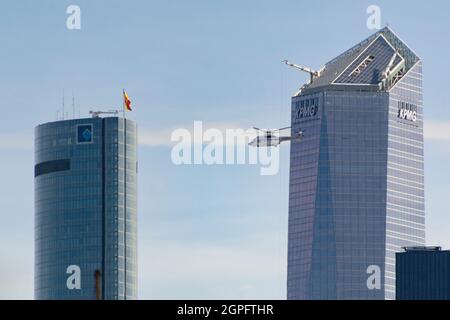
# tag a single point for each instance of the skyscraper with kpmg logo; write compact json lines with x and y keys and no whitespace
{"x":85,"y":209}
{"x":357,"y":177}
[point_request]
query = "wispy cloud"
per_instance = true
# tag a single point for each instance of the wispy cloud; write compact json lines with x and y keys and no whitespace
{"x":433,"y":130}
{"x":16,"y":141}
{"x":162,"y":137}
{"x":147,"y":137}
{"x":204,"y":271}
{"x":154,"y":138}
{"x":244,"y":259}
{"x":16,"y":270}
{"x":437,"y":130}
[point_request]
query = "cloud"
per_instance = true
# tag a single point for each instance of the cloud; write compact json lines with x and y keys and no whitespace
{"x":437,"y":130}
{"x":154,"y":138}
{"x":181,"y":260}
{"x":147,"y":137}
{"x":16,"y":271}
{"x":433,"y":130}
{"x":16,"y":142}
{"x":206,"y":271}
{"x":225,"y":256}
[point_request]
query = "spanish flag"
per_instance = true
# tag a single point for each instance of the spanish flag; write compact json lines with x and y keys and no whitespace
{"x":126,"y":101}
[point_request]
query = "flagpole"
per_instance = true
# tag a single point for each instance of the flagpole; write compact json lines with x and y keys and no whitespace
{"x":125,"y":190}
{"x":123,"y":102}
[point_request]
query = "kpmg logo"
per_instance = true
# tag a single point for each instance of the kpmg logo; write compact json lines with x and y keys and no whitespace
{"x":407,"y":111}
{"x":84,"y":133}
{"x":306,"y":108}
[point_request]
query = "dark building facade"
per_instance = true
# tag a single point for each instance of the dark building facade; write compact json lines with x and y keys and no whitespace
{"x":85,"y":209}
{"x":423,"y":273}
{"x":356,"y":177}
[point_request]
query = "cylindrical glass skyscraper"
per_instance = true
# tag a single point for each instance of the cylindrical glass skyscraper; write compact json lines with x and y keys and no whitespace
{"x":86,"y":209}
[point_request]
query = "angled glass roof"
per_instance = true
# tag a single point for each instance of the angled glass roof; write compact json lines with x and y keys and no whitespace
{"x":368,"y":63}
{"x":368,"y":68}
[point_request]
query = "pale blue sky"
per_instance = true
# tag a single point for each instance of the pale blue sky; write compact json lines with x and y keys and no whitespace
{"x":204,"y":232}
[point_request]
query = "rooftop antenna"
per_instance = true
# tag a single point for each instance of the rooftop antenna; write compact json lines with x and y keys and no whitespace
{"x":73,"y":104}
{"x":96,"y":114}
{"x":63,"y":105}
{"x":312,"y":73}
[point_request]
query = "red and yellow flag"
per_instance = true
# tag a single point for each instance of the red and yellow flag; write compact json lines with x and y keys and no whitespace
{"x":126,"y":101}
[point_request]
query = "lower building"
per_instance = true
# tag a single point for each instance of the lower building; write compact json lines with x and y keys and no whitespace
{"x":423,"y":273}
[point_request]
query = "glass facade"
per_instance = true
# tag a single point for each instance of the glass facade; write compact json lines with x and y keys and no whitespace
{"x":356,"y":177}
{"x":405,"y":202}
{"x":85,"y":209}
{"x":423,"y":274}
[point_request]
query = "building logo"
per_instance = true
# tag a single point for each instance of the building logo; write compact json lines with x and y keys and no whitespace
{"x":407,"y":111}
{"x":305,"y":109}
{"x":84,"y":133}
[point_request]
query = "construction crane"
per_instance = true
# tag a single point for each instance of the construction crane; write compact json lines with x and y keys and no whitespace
{"x":312,"y":73}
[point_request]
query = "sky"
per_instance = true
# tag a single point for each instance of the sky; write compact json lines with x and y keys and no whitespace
{"x":205,"y":232}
